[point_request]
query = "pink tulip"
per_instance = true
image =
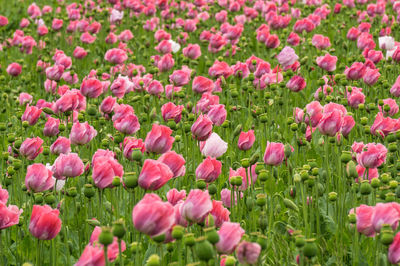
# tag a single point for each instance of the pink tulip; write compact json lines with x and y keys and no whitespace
{"x":31,"y":148}
{"x":171,"y":111}
{"x":356,"y":71}
{"x":274,"y":153}
{"x":71,"y":100}
{"x":159,"y":139}
{"x":152,"y":216}
{"x":45,"y":223}
{"x":175,"y":162}
{"x":154,"y":175}
{"x":180,"y":77}
{"x":61,"y":145}
{"x":296,"y":83}
{"x":127,"y":124}
{"x":82,"y":133}
{"x":196,"y":206}
{"x":314,"y":113}
{"x":25,"y":98}
{"x":55,"y":72}
{"x":373,"y":156}
{"x":67,"y":165}
{"x":229,"y":237}
{"x":107,"y":105}
{"x":38,"y":178}
{"x":208,"y":170}
{"x":192,"y":51}
{"x":371,"y":76}
{"x":202,"y":84}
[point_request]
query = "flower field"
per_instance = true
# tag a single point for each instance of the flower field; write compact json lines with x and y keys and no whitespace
{"x":204,"y":132}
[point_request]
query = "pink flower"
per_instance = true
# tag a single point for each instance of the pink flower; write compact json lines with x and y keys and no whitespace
{"x":219,"y":213}
{"x":171,"y":111}
{"x":38,"y":178}
{"x":127,"y":124}
{"x":153,"y":217}
{"x":3,"y":196}
{"x":394,"y":108}
{"x":356,"y":97}
{"x":82,"y":133}
{"x":196,"y":206}
{"x":220,"y":69}
{"x":67,"y":165}
{"x":385,"y":213}
{"x":192,"y":51}
{"x":9,"y":216}
{"x":55,"y":72}
{"x":175,"y":162}
{"x":180,"y":77}
{"x":107,"y":105}
{"x":166,"y":63}
{"x":130,"y":144}
{"x":327,"y":62}
{"x":208,"y":170}
{"x":246,"y":140}
{"x":51,"y":127}
{"x":274,"y":153}
{"x":202,"y":84}
{"x":229,"y":237}
{"x":71,"y":100}
{"x":31,"y":148}
{"x":61,"y":145}
{"x":14,"y":69}
{"x":202,"y":128}
{"x":31,"y":115}
{"x":364,"y":216}
{"x":373,"y":156}
{"x":174,"y":196}
{"x":356,"y":71}
{"x":79,"y":53}
{"x":296,"y":83}
{"x":116,"y":56}
{"x":159,"y":139}
{"x":331,"y":123}
{"x":112,"y":249}
{"x":287,"y":56}
{"x":371,"y":76}
{"x":91,"y":87}
{"x":394,"y":250}
{"x":314,"y":113}
{"x":45,"y":223}
{"x":105,"y":169}
{"x":154,"y":175}
{"x":217,"y":114}
{"x":320,"y":42}
{"x":91,"y":255}
{"x":248,"y":252}
{"x":25,"y":98}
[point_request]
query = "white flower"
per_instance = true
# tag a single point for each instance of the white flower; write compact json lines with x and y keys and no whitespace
{"x":386,"y":43}
{"x":116,"y":16}
{"x":389,"y":53}
{"x":214,"y":146}
{"x":175,"y":46}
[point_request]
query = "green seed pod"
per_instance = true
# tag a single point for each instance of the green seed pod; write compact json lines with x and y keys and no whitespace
{"x":310,"y":248}
{"x":263,"y":221}
{"x":300,"y":241}
{"x":245,"y":162}
{"x":189,"y":240}
{"x":393,"y":147}
{"x":263,"y":175}
{"x":259,"y":167}
{"x":201,"y":184}
{"x":387,"y":237}
{"x":230,"y":261}
{"x":351,"y":170}
{"x":212,"y":189}
{"x":365,"y":188}
{"x":332,"y":196}
{"x":290,"y":204}
{"x":390,"y":196}
{"x":88,"y":191}
{"x":153,"y":260}
{"x":375,"y":183}
{"x":212,"y":235}
{"x":119,"y":229}
{"x":237,"y":130}
{"x":177,"y":232}
{"x":38,"y":198}
{"x":72,"y":192}
{"x":116,"y":181}
{"x":261,"y":200}
{"x":250,"y":204}
{"x":345,"y":157}
{"x":61,"y":127}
